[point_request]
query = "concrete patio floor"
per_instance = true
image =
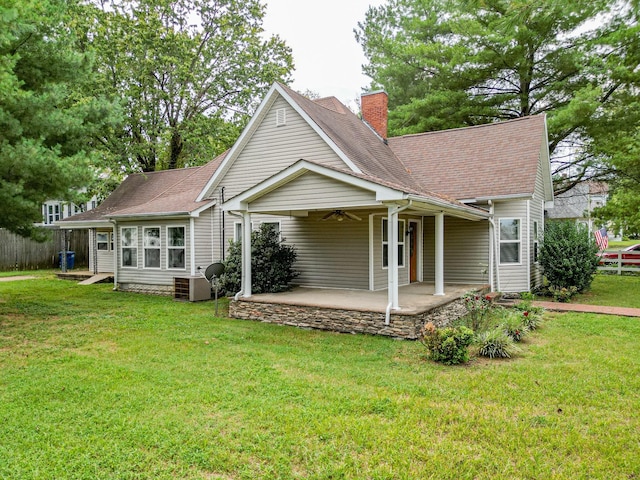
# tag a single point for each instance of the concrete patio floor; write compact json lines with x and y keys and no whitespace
{"x":414,"y":299}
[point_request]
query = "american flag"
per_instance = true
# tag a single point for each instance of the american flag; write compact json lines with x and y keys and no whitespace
{"x":601,"y":238}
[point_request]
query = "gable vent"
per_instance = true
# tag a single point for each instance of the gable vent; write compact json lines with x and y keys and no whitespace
{"x":281,"y":117}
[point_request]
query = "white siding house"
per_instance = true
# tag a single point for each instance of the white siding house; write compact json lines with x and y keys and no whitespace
{"x":363,"y":211}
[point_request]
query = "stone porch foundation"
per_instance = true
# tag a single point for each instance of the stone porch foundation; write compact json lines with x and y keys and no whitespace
{"x":348,"y":321}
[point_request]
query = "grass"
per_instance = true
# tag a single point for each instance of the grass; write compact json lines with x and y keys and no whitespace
{"x":101,"y":384}
{"x":619,"y":244}
{"x":612,"y":290}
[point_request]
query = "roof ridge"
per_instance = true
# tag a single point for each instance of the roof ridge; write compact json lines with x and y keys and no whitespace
{"x":470,"y":127}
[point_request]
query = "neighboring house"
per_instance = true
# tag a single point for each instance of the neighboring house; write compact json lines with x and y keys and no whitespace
{"x":56,"y":210}
{"x":364,"y":211}
{"x":578,"y":203}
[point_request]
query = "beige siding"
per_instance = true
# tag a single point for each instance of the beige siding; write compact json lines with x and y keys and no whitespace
{"x":466,"y":250}
{"x":207,"y":238}
{"x":537,"y":215}
{"x":513,"y":278}
{"x":271,"y":149}
{"x":313,"y":191}
{"x":330,"y":253}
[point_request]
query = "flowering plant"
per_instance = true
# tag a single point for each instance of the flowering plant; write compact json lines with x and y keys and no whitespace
{"x":478,"y":306}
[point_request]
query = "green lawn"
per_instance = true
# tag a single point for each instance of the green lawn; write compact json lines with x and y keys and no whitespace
{"x":101,"y":384}
{"x":619,"y":244}
{"x":612,"y":290}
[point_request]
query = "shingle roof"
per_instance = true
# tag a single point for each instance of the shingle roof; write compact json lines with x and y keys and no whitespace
{"x":164,"y":192}
{"x":493,"y":160}
{"x":356,"y":139}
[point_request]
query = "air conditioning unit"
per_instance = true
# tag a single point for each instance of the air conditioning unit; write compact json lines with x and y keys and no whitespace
{"x":192,"y":289}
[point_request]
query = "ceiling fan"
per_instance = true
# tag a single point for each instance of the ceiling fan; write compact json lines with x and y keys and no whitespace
{"x":341,"y":215}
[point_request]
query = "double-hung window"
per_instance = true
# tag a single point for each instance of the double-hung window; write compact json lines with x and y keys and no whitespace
{"x":151,"y":244}
{"x":129,"y":246}
{"x":176,"y":250}
{"x":385,"y":243}
{"x":510,"y":240}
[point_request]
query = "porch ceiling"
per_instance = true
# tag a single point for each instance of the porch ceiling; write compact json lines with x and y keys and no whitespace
{"x":414,"y":299}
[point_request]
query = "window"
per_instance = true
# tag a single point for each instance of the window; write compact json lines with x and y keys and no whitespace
{"x":275,"y":226}
{"x":509,"y":240}
{"x":535,"y":242}
{"x":102,"y":241}
{"x":151,"y":245}
{"x":385,"y":243}
{"x":237,"y":232}
{"x":129,"y":246}
{"x":176,"y":251}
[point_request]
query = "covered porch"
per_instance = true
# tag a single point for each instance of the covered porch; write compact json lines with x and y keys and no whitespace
{"x":311,"y":194}
{"x":358,"y":311}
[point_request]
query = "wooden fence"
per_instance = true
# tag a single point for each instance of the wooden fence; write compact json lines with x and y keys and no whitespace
{"x":616,"y":264}
{"x":18,"y":253}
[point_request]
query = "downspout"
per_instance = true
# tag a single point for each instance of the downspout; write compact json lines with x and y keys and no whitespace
{"x":115,"y":255}
{"x":397,"y":211}
{"x":496,"y":254}
{"x":222,"y":229}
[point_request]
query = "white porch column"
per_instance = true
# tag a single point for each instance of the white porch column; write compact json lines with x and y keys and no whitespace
{"x":392,"y":257}
{"x":246,"y":254}
{"x":439,"y":261}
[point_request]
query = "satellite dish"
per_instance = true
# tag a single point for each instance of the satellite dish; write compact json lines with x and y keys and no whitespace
{"x":214,"y":271}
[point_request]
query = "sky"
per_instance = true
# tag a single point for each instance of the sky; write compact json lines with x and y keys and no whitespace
{"x":327,"y":58}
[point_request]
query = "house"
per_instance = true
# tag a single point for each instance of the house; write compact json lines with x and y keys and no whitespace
{"x":364,"y":211}
{"x":56,"y":210}
{"x":577,"y":204}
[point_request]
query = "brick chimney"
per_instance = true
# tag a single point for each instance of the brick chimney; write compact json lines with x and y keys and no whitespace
{"x":374,"y":107}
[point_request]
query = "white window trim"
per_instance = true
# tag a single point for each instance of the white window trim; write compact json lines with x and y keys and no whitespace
{"x":281,"y":117}
{"x":136,"y":246}
{"x":536,"y":241}
{"x":170,"y":247}
{"x":401,"y":229}
{"x":159,"y":247}
{"x":519,"y":241}
{"x":109,"y":241}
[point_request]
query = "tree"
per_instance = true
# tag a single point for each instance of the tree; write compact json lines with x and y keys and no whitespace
{"x":46,"y":123}
{"x":452,"y":63}
{"x":188,"y":73}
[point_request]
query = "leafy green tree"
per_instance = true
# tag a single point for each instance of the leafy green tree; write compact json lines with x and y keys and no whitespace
{"x":451,"y":63}
{"x":48,"y":115}
{"x":271,"y":263}
{"x":188,"y":73}
{"x":568,"y":255}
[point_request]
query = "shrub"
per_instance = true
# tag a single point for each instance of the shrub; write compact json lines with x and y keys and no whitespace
{"x":531,"y":316}
{"x":271,"y":263}
{"x":531,"y":319}
{"x":478,"y":306}
{"x":568,"y":255}
{"x":562,"y":294}
{"x":447,"y":345}
{"x":514,"y":327}
{"x":495,"y":344}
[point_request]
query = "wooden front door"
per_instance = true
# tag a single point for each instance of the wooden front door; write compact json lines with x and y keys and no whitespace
{"x":413,"y":251}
